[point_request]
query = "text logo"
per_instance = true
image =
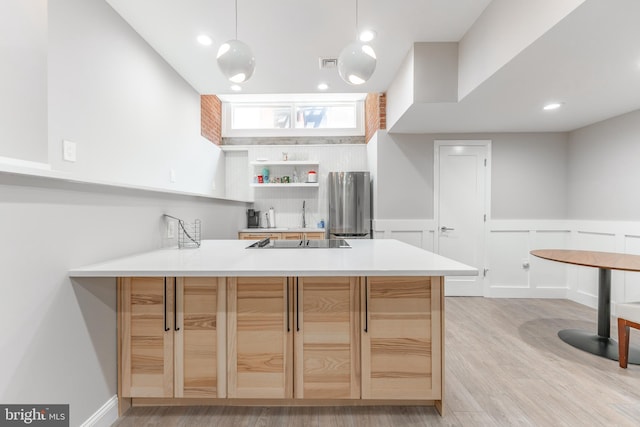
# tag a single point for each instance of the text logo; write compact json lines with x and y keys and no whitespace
{"x":34,"y":415}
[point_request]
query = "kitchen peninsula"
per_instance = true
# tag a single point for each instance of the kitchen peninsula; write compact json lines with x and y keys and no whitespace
{"x":227,"y":325}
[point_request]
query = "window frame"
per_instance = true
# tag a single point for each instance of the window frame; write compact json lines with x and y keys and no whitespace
{"x":228,"y":131}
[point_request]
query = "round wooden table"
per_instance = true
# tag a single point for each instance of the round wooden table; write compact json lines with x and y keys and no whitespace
{"x":601,"y":344}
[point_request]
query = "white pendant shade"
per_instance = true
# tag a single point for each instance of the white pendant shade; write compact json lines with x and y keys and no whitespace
{"x":236,"y":61}
{"x":356,"y":63}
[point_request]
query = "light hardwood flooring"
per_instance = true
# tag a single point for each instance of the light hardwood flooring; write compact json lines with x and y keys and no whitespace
{"x":505,"y":366}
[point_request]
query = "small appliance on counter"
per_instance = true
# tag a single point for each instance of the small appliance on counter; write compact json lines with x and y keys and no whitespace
{"x":271,"y":218}
{"x":253,"y":218}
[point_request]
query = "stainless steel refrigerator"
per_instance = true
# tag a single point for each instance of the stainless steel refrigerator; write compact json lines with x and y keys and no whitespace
{"x":349,"y":205}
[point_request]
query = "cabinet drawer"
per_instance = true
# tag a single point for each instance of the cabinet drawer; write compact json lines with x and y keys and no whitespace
{"x":292,"y":236}
{"x":259,"y":236}
{"x":314,"y":235}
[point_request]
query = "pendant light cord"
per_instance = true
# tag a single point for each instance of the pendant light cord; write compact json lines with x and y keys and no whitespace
{"x":357,"y":36}
{"x":236,"y":19}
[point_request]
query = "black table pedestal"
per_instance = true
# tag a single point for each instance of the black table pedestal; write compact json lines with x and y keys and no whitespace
{"x":595,"y":344}
{"x":601,"y":344}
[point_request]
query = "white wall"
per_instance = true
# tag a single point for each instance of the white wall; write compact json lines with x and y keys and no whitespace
{"x":59,"y":345}
{"x":372,"y":160}
{"x":435,"y":72}
{"x":133,"y":118}
{"x":549,"y":190}
{"x":529,"y":204}
{"x":504,"y":29}
{"x":604,"y":172}
{"x":23,"y":80}
{"x":528,"y":174}
{"x":400,"y":95}
{"x":404,"y":176}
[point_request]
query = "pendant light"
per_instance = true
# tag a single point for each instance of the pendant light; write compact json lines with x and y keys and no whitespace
{"x":357,"y":61}
{"x":235,"y":59}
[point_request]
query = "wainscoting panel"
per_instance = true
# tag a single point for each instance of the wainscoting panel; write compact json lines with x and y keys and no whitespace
{"x":508,"y":257}
{"x":509,"y":243}
{"x":584,"y":283}
{"x":513,"y":271}
{"x":630,"y":291}
{"x":546,"y":274}
{"x":416,"y":232}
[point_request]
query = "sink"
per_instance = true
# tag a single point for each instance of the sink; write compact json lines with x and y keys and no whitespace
{"x":300,"y":244}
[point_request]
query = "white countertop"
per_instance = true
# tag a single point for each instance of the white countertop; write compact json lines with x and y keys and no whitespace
{"x":377,"y":257}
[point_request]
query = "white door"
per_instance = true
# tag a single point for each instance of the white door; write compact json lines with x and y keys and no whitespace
{"x":461,"y":205}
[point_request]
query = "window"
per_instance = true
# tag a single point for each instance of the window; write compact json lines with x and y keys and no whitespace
{"x":245,"y":117}
{"x":293,"y":118}
{"x":336,"y":116}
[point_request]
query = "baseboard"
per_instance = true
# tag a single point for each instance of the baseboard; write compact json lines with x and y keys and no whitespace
{"x":105,"y":416}
{"x":584,"y":299}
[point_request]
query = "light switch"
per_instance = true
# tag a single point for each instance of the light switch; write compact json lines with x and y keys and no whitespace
{"x":68,"y":150}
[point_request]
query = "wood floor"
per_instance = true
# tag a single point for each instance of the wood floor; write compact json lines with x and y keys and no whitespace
{"x":505,"y":366}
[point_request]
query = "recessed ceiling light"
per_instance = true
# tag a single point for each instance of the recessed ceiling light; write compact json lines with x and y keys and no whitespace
{"x":552,"y":106}
{"x":367,"y":35}
{"x":204,"y":40}
{"x":323,"y":86}
{"x":236,"y":88}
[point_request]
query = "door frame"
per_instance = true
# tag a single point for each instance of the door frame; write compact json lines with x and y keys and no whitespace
{"x":482,"y":270}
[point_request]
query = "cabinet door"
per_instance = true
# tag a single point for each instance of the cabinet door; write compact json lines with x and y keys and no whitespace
{"x":260,"y":344}
{"x":314,"y":235}
{"x":292,"y":236}
{"x":402,"y":338}
{"x":145,"y":334}
{"x":200,"y":332}
{"x":259,"y":236}
{"x":327,"y":338}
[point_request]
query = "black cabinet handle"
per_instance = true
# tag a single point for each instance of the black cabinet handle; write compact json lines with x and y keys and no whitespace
{"x":287,"y":309}
{"x":166,"y":329}
{"x":297,"y":306}
{"x":366,"y":304}
{"x":175,"y":305}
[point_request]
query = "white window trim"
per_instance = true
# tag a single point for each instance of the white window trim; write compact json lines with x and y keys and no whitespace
{"x":227,"y":131}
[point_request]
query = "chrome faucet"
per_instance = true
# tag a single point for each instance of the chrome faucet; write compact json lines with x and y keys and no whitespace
{"x":304,"y":221}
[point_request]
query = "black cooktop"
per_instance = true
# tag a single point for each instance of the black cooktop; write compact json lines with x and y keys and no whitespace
{"x":300,"y":244}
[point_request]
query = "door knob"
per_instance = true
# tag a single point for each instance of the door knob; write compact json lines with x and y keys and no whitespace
{"x":443,"y":229}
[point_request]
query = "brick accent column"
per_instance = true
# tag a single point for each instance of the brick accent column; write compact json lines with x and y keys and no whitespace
{"x":211,"y":118}
{"x":375,"y":114}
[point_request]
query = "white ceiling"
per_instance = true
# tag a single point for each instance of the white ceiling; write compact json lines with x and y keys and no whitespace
{"x":590,"y":60}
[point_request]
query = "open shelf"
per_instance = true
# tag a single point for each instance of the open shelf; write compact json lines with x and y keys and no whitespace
{"x":285,"y":163}
{"x":285,"y":167}
{"x":291,"y":184}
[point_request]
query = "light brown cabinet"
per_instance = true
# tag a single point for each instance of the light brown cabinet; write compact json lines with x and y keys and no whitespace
{"x":314,"y":235}
{"x":310,"y":322}
{"x":402,"y":338}
{"x":311,"y":338}
{"x":291,"y":236}
{"x":327,"y":338}
{"x":172,"y":337}
{"x":258,"y":236}
{"x":311,"y":235}
{"x":260,"y":342}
